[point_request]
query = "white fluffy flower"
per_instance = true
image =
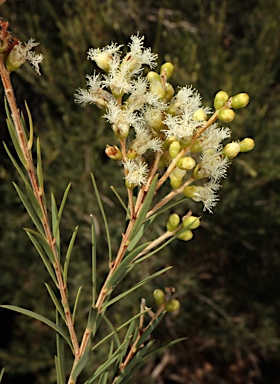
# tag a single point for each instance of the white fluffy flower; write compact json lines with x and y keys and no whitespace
{"x":137,"y":172}
{"x":22,"y":52}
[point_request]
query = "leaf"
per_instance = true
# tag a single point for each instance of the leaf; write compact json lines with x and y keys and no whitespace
{"x":31,"y":131}
{"x":22,"y":175}
{"x":120,"y":200}
{"x":43,"y":256}
{"x":1,"y":374}
{"x":43,"y":242}
{"x":144,"y":210}
{"x":76,"y":302}
{"x":68,"y":254}
{"x":93,"y":260}
{"x":104,"y":218}
{"x":173,"y":342}
{"x":60,"y":358}
{"x":81,"y":363}
{"x":144,"y":337}
{"x":41,"y":318}
{"x":14,"y":136}
{"x":136,"y":286}
{"x":114,"y":333}
{"x":34,"y":201}
{"x":30,"y":210}
{"x":56,"y":302}
{"x":167,"y":207}
{"x":55,"y":227}
{"x":40,"y":170}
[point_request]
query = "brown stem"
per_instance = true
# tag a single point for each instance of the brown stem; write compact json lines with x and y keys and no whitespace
{"x":5,"y":77}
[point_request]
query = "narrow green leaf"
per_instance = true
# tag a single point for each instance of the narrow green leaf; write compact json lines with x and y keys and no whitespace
{"x":40,"y":169}
{"x":34,"y":201}
{"x":110,"y":325}
{"x":104,"y":378}
{"x":76,"y":302}
{"x":93,"y":260}
{"x":30,"y":210}
{"x":43,"y":319}
{"x":60,"y":353}
{"x":55,"y":227}
{"x":56,"y":302}
{"x":124,"y":267}
{"x":43,"y":256}
{"x":1,"y":374}
{"x":63,"y":201}
{"x":68,"y":254}
{"x":106,"y":365}
{"x":120,"y":200}
{"x":14,"y":137}
{"x":42,"y":240}
{"x":173,"y":342}
{"x":119,"y":328}
{"x":81,"y":363}
{"x":144,"y":337}
{"x":31,"y":131}
{"x":16,"y":165}
{"x":136,"y":286}
{"x":104,"y":218}
{"x":139,"y":234}
{"x":144,"y":210}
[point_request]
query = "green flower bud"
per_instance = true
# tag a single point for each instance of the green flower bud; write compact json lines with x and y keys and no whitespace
{"x":191,"y":222}
{"x":186,"y":235}
{"x":173,"y":222}
{"x":190,"y":191}
{"x":174,"y":149}
{"x":159,"y":296}
{"x":113,"y":152}
{"x":186,"y":163}
{"x":175,"y":182}
{"x":240,"y":100}
{"x":131,"y":153}
{"x":220,"y":99}
{"x":246,"y":145}
{"x":197,"y":145}
{"x":129,"y":185}
{"x":200,"y":115}
{"x":169,"y":92}
{"x":121,"y":130}
{"x":198,"y":173}
{"x":231,"y":150}
{"x":156,"y":86}
{"x":14,"y":60}
{"x":154,"y":119}
{"x":226,"y":115}
{"x":185,"y":142}
{"x":167,"y":70}
{"x":172,"y":305}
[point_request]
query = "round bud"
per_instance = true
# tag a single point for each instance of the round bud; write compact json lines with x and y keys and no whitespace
{"x":175,"y":182}
{"x":226,"y":115}
{"x":186,"y":163}
{"x":113,"y":152}
{"x":197,"y":145}
{"x":246,"y":145}
{"x":191,"y":222}
{"x":186,"y":235}
{"x":190,"y":191}
{"x":169,"y":92}
{"x":173,"y":222}
{"x":159,"y":296}
{"x":240,"y":100}
{"x":167,"y":70}
{"x":174,"y":149}
{"x":200,"y":115}
{"x":172,"y":305}
{"x":154,"y":119}
{"x":231,"y":150}
{"x":220,"y":99}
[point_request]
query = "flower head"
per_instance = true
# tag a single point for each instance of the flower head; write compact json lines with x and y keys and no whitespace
{"x":22,"y":52}
{"x":137,"y":172}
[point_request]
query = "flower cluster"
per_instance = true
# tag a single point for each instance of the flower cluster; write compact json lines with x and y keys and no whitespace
{"x":162,"y":123}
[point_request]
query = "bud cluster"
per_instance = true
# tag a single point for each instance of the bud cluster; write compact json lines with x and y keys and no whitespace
{"x":162,"y":122}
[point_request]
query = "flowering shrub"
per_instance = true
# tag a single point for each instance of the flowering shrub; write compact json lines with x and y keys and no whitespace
{"x":159,"y":135}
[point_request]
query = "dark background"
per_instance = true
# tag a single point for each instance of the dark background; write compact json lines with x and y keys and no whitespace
{"x":227,"y":277}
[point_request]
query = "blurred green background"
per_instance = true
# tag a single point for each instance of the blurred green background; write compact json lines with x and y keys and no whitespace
{"x":227,"y":277}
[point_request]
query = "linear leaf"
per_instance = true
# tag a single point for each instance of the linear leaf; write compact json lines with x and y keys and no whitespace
{"x":115,"y":336}
{"x":55,"y":227}
{"x":76,"y":302}
{"x":16,"y":165}
{"x":56,"y":302}
{"x":30,"y":210}
{"x":1,"y":374}
{"x":81,"y":363}
{"x":31,"y":131}
{"x":144,"y":337}
{"x":140,"y":233}
{"x":120,"y":200}
{"x":136,"y":286}
{"x":43,"y":257}
{"x":173,"y":342}
{"x":34,"y":201}
{"x":41,"y":318}
{"x":40,"y":170}
{"x":104,"y":218}
{"x":60,"y":358}
{"x":93,"y":260}
{"x":167,"y":207}
{"x":144,"y":210}
{"x":42,"y":240}
{"x":68,"y":254}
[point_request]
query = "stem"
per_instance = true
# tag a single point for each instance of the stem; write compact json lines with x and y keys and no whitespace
{"x":5,"y":77}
